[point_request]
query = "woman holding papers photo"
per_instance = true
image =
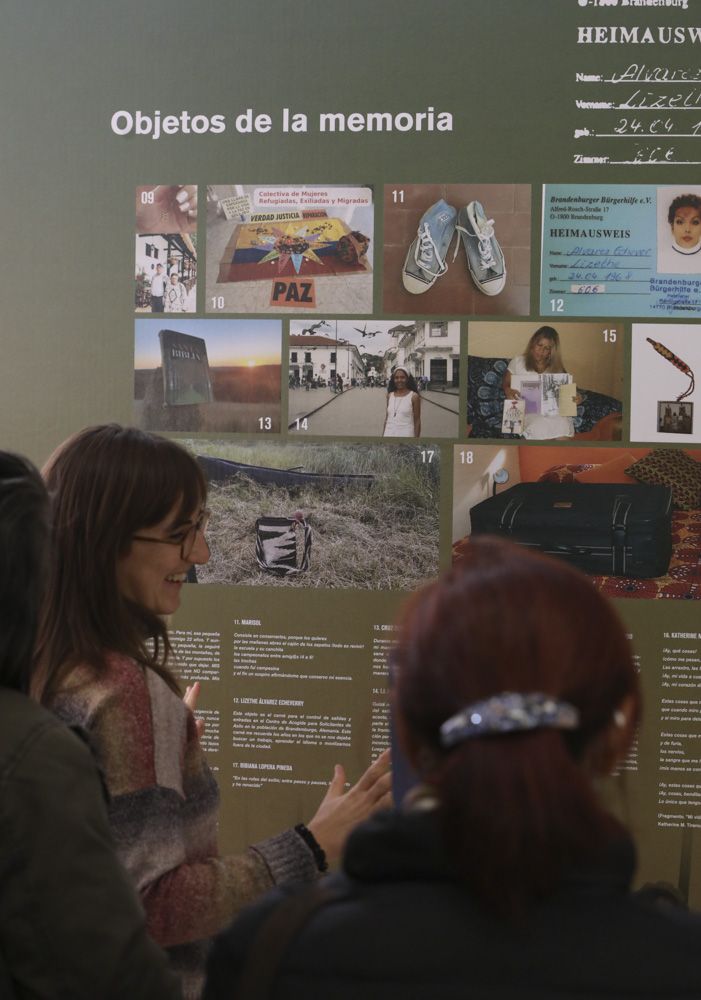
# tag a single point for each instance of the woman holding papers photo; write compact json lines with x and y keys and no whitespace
{"x":524,"y":379}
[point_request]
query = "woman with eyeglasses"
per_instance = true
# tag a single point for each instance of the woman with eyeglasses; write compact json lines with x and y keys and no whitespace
{"x":128,"y":523}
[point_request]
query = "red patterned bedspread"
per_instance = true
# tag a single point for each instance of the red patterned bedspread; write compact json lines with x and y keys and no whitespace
{"x":683,"y":578}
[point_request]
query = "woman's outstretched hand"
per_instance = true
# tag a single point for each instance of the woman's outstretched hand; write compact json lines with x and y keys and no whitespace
{"x":340,"y":811}
{"x":192,"y":693}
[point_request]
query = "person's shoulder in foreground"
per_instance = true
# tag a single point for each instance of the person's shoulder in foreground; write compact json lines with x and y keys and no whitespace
{"x":70,"y":922}
{"x":398,"y":923}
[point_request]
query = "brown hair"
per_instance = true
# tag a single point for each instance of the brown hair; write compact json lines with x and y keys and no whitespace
{"x":106,"y":484}
{"x":548,"y":333}
{"x":518,"y":809}
{"x":24,"y":531}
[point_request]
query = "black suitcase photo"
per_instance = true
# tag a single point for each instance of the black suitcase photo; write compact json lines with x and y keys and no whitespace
{"x":614,"y":529}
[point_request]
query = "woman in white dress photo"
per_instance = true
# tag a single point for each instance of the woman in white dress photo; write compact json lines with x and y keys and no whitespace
{"x":403,"y":416}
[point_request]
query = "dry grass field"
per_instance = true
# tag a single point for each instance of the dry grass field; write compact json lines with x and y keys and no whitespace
{"x":378,"y":537}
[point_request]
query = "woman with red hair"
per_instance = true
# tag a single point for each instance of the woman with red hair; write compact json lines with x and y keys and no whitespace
{"x":503,"y":874}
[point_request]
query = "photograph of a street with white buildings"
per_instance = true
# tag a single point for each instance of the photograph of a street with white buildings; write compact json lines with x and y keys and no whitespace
{"x":358,"y":377}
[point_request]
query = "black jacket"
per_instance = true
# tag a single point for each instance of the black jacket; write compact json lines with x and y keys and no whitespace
{"x":405,"y":929}
{"x":71,"y":925}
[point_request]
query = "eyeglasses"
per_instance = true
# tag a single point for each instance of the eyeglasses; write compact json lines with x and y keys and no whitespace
{"x":187,"y":538}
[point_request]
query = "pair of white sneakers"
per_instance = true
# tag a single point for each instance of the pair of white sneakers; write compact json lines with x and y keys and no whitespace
{"x":426,"y":258}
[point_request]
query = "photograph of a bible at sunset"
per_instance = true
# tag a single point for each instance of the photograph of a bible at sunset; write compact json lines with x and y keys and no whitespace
{"x":207,"y":375}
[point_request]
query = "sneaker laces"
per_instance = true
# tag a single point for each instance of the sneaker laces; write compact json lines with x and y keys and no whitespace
{"x":426,"y":249}
{"x":485,"y":244}
{"x":484,"y":237}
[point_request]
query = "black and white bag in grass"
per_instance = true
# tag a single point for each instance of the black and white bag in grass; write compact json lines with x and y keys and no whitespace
{"x":276,"y":544}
